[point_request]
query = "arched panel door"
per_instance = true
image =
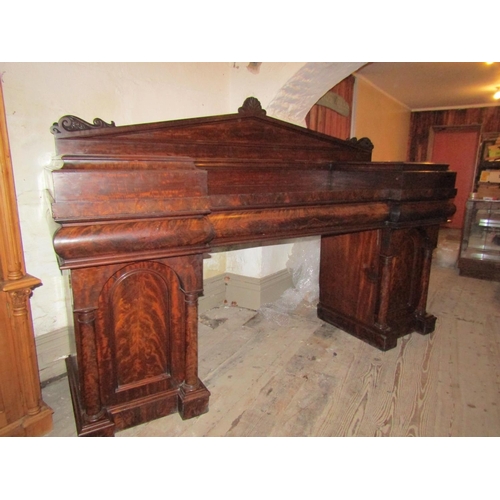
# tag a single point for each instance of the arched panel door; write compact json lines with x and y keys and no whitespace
{"x":406,"y":247}
{"x":139,"y":333}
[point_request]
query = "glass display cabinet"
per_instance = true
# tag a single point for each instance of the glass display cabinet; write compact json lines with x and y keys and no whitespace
{"x":480,"y":246}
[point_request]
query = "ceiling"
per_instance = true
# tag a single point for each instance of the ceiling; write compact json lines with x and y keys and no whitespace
{"x":421,"y":85}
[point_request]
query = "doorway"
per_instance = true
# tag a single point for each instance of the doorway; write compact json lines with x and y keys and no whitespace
{"x":457,"y":146}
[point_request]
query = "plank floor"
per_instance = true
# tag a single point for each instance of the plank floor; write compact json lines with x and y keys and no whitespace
{"x":274,"y":374}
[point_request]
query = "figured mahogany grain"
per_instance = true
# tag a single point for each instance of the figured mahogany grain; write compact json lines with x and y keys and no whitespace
{"x":140,"y":205}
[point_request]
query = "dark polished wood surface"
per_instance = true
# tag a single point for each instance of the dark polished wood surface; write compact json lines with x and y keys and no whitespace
{"x":139,"y":206}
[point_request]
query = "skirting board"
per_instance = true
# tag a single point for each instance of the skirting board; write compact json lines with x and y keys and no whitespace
{"x":253,"y":293}
{"x":52,"y":350}
{"x":226,"y":289}
{"x":242,"y":291}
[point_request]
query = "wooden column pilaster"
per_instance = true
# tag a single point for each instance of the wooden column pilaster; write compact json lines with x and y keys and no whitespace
{"x":22,"y":411}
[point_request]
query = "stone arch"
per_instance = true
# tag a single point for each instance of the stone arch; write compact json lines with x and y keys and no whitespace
{"x":293,"y":101}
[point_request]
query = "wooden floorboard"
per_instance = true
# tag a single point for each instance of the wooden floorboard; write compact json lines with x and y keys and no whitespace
{"x":293,"y":375}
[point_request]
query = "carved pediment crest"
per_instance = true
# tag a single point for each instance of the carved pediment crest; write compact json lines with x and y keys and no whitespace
{"x":364,"y":142}
{"x":252,"y":106}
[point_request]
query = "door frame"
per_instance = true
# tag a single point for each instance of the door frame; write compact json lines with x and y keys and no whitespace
{"x":456,"y":128}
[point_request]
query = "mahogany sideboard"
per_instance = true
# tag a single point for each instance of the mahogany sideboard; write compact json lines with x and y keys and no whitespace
{"x":139,"y":206}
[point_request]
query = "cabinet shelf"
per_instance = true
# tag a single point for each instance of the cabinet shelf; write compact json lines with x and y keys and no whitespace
{"x":480,"y":246}
{"x":487,"y":177}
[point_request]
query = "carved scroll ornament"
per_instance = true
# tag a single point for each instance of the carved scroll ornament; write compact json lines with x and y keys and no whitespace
{"x":70,"y":123}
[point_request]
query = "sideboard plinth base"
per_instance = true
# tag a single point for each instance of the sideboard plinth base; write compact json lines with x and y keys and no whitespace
{"x":425,"y":324}
{"x":115,"y":418}
{"x":381,"y":339}
{"x":193,"y":403}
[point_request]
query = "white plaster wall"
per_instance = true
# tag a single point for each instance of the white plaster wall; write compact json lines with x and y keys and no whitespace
{"x":38,"y":94}
{"x":262,"y":81}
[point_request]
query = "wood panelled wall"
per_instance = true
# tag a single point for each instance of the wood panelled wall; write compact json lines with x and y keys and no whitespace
{"x":325,"y":120}
{"x":421,"y":123}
